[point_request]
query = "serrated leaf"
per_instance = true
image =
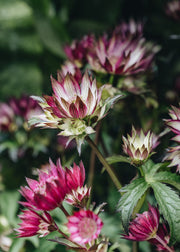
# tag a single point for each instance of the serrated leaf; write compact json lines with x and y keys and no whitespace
{"x":133,"y":192}
{"x":169,"y":178}
{"x":169,"y":205}
{"x":118,"y":159}
{"x":150,"y":168}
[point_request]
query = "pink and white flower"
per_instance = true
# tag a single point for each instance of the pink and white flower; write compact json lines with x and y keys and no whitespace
{"x":173,"y":9}
{"x":35,"y":224}
{"x":122,"y":54}
{"x":77,"y":194}
{"x":75,"y":108}
{"x":173,"y":155}
{"x":7,"y":117}
{"x":84,"y":227}
{"x":71,"y":68}
{"x":47,"y":193}
{"x":139,"y":145}
{"x":174,"y":122}
{"x":77,"y":51}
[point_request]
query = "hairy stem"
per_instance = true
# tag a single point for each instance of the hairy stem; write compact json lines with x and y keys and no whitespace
{"x":104,"y":163}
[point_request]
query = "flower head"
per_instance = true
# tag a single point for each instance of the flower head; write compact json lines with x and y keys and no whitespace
{"x":7,"y":116}
{"x":173,"y":9}
{"x":131,"y":29}
{"x":77,"y":194}
{"x":75,"y":108}
{"x":174,"y":122}
{"x":47,"y":193}
{"x":24,"y":107}
{"x":122,"y":54}
{"x":71,"y":68}
{"x":173,"y":155}
{"x":144,"y":226}
{"x":84,"y":227}
{"x":139,"y":145}
{"x":77,"y":51}
{"x":35,"y":224}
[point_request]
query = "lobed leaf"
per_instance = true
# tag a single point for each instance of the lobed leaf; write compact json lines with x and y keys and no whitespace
{"x":133,"y":192}
{"x":169,"y":178}
{"x":169,"y":204}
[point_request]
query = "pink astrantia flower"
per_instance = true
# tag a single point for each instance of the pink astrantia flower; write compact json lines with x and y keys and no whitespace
{"x":75,"y":108}
{"x":71,"y":68}
{"x":139,"y":145}
{"x":173,"y":155}
{"x":84,"y":227}
{"x":144,"y":226}
{"x":25,"y":106}
{"x":162,"y":239}
{"x":7,"y":116}
{"x":174,"y":122}
{"x":35,"y":224}
{"x":47,"y":193}
{"x":77,"y":51}
{"x":173,"y":9}
{"x":131,"y":29}
{"x":77,"y":194}
{"x":121,"y":54}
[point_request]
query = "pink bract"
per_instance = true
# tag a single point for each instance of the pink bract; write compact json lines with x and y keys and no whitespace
{"x":144,"y":226}
{"x":7,"y":116}
{"x":47,"y":193}
{"x":173,"y":9}
{"x":122,"y":54}
{"x":35,"y":224}
{"x":174,"y":122}
{"x":84,"y":227}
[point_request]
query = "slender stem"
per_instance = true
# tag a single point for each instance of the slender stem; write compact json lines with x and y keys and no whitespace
{"x":105,"y":163}
{"x":135,"y":246}
{"x":93,"y":158}
{"x":64,"y":211}
{"x":158,"y":238}
{"x":63,"y":234}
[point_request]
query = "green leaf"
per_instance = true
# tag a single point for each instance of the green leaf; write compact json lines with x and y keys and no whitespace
{"x":117,"y":159}
{"x":133,"y":192}
{"x":17,"y":245}
{"x":169,"y":204}
{"x":46,"y":245}
{"x":9,"y":205}
{"x":169,"y":178}
{"x":149,"y":168}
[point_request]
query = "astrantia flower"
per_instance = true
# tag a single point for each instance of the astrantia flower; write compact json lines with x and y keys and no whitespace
{"x":173,"y":155}
{"x":174,"y":122}
{"x":122,"y":56}
{"x":71,"y":68}
{"x":173,"y":9}
{"x":139,"y":145}
{"x":7,"y":116}
{"x":25,"y":107}
{"x":162,"y":235}
{"x":74,"y":108}
{"x":35,"y":224}
{"x":77,"y":194}
{"x":77,"y":51}
{"x":47,"y":193}
{"x":131,"y":29}
{"x":84,"y":227}
{"x":144,"y":226}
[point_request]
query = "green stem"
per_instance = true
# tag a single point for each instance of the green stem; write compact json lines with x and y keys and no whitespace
{"x":64,"y":211}
{"x":104,"y":163}
{"x":135,"y":246}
